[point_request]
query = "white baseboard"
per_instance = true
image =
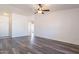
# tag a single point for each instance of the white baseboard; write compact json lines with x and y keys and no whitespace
{"x":58,"y":40}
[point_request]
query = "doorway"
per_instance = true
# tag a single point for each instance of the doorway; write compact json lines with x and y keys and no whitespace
{"x":31,"y":29}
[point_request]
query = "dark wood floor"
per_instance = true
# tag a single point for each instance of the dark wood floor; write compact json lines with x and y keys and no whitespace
{"x":24,"y":45}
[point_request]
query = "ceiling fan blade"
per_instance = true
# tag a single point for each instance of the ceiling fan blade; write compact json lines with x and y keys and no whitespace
{"x":42,"y":12}
{"x":40,"y":5}
{"x":46,"y":10}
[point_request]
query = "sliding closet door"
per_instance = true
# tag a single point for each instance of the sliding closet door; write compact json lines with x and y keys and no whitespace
{"x":4,"y":26}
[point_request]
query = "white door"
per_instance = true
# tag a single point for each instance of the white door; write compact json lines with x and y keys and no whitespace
{"x":4,"y":26}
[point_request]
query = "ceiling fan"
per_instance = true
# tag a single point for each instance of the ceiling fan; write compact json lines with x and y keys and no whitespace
{"x":41,"y":9}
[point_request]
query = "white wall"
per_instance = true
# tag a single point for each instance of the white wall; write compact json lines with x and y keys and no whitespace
{"x":61,"y":25}
{"x":19,"y":25}
{"x":4,"y":26}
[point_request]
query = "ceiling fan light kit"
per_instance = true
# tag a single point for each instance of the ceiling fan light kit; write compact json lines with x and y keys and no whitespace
{"x":40,"y":11}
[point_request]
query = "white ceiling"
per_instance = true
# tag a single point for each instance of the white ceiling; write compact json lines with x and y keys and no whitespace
{"x":20,"y":9}
{"x":28,"y":9}
{"x":58,"y":7}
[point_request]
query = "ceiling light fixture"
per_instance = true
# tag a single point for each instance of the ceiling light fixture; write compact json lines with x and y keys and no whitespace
{"x":40,"y":12}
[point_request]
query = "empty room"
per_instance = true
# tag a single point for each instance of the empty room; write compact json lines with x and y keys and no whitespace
{"x":39,"y":28}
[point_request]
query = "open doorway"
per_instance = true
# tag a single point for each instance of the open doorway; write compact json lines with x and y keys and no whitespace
{"x":31,"y":29}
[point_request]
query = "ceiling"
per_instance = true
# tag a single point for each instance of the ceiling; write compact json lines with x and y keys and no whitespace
{"x":28,"y":9}
{"x":58,"y":7}
{"x":17,"y":8}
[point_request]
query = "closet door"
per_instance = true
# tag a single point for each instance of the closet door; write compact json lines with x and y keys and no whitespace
{"x":4,"y":26}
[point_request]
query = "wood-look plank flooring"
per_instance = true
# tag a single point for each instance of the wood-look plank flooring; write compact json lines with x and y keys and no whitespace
{"x":24,"y":45}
